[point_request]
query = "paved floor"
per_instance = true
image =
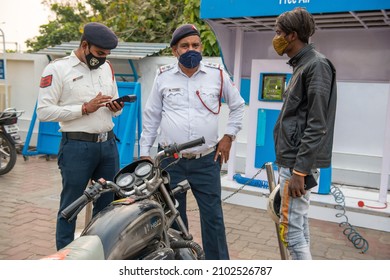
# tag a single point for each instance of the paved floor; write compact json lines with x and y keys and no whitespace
{"x":29,"y":200}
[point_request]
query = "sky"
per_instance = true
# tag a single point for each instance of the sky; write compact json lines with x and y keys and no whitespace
{"x":20,"y":20}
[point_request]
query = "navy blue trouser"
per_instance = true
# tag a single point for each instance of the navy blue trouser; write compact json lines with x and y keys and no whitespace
{"x":80,"y":161}
{"x":203,"y":174}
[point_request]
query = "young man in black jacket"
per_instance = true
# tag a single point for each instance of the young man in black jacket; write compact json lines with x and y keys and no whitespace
{"x":303,"y":133}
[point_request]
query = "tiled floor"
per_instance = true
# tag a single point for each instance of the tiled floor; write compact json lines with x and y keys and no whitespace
{"x":29,"y":200}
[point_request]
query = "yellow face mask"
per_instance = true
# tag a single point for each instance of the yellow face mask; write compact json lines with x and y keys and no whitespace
{"x":280,"y":44}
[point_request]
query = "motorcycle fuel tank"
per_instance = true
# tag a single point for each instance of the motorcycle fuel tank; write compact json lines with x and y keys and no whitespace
{"x":127,"y":228}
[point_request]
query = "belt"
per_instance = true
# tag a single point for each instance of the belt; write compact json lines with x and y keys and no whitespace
{"x":196,"y":156}
{"x":89,"y":137}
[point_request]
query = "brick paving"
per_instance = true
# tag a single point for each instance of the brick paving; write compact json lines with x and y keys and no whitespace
{"x":29,"y":197}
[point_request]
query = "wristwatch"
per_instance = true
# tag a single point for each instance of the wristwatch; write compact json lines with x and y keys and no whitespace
{"x":231,"y":136}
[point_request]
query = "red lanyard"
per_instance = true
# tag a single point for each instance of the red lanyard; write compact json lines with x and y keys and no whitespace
{"x":220,"y":97}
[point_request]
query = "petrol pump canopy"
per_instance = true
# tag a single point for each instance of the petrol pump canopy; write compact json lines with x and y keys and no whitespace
{"x":260,"y":15}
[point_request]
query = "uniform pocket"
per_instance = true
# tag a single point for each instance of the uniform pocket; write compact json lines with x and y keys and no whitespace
{"x":79,"y":90}
{"x":208,"y":98}
{"x":173,"y":98}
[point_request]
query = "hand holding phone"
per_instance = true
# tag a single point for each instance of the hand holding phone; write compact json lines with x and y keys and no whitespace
{"x":310,"y":182}
{"x":126,"y":98}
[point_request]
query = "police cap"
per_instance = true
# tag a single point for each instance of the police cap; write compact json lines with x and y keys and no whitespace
{"x":100,"y":35}
{"x":182,"y":32}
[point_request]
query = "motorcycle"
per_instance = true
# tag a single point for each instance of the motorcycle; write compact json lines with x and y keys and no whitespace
{"x":138,"y":224}
{"x":10,"y":140}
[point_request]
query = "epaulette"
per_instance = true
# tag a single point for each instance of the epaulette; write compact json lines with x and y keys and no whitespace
{"x":213,"y":65}
{"x":165,"y":68}
{"x":112,"y":70}
{"x":60,"y":58}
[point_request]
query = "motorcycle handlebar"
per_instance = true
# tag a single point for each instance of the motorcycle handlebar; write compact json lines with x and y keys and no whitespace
{"x":190,"y":144}
{"x":74,"y":208}
{"x":70,"y":212}
{"x":10,"y":113}
{"x":176,"y":148}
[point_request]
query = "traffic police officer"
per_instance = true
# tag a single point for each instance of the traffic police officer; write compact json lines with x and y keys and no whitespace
{"x":76,"y":92}
{"x":185,"y":104}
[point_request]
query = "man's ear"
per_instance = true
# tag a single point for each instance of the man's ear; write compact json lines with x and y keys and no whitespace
{"x":294,"y":36}
{"x":84,"y":45}
{"x":174,"y":51}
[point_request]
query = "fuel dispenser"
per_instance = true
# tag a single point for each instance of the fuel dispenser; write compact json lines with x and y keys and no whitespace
{"x":269,"y":79}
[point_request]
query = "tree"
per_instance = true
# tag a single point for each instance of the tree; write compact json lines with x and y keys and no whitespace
{"x":66,"y":26}
{"x":192,"y":14}
{"x":132,"y":20}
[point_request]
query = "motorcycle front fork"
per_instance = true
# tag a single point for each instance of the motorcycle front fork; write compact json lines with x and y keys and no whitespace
{"x":175,"y":215}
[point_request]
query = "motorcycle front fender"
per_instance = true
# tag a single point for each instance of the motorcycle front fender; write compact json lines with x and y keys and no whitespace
{"x":87,"y":247}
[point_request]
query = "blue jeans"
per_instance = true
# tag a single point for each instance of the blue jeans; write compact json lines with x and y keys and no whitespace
{"x":80,"y":161}
{"x":203,"y":174}
{"x":294,"y":220}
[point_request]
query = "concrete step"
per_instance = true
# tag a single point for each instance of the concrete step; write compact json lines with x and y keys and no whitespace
{"x":373,"y":215}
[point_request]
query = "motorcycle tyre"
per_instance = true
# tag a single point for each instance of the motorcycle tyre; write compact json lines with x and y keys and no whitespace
{"x":7,"y":145}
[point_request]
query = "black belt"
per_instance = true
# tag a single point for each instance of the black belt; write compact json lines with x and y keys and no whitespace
{"x":89,"y":137}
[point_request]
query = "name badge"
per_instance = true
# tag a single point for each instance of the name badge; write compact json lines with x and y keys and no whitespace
{"x":174,"y":90}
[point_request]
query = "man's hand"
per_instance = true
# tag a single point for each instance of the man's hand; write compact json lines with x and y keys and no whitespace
{"x":99,"y":101}
{"x":223,"y":149}
{"x":296,"y":186}
{"x":115,"y":106}
{"x":146,"y":157}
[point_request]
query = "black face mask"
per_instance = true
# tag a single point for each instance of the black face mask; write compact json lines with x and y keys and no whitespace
{"x":190,"y":59}
{"x":94,"y":62}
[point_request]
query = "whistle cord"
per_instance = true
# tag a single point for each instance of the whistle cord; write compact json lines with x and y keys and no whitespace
{"x":350,"y":232}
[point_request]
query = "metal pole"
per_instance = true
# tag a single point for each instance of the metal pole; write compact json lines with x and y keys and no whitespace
{"x":5,"y":70}
{"x":270,"y":176}
{"x":237,"y":81}
{"x":272,"y":185}
{"x":88,"y":214}
{"x":385,"y":171}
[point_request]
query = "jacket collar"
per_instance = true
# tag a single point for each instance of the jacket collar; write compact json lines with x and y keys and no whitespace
{"x":295,"y":60}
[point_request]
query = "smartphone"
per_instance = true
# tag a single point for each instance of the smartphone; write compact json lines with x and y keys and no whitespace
{"x":310,"y":182}
{"x":126,"y":98}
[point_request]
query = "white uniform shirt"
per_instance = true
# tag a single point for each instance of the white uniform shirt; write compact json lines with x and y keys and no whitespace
{"x":66,"y":84}
{"x":175,"y":108}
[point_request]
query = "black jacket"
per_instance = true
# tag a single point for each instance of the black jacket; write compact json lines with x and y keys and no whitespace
{"x":303,"y":133}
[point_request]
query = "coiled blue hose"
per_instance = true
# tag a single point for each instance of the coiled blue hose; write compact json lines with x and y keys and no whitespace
{"x":250,"y":181}
{"x":357,"y":240}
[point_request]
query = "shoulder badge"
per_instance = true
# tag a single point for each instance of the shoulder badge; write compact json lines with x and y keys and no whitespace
{"x":213,"y":65}
{"x":165,"y":68}
{"x":112,"y":69}
{"x":46,"y":81}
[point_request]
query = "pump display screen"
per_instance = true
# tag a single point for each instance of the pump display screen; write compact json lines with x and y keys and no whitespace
{"x":273,"y":86}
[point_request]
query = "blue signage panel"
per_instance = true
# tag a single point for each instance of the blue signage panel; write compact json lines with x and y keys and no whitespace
{"x":2,"y":70}
{"x":239,"y":8}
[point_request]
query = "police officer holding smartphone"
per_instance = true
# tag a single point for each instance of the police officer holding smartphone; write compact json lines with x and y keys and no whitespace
{"x":75,"y":91}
